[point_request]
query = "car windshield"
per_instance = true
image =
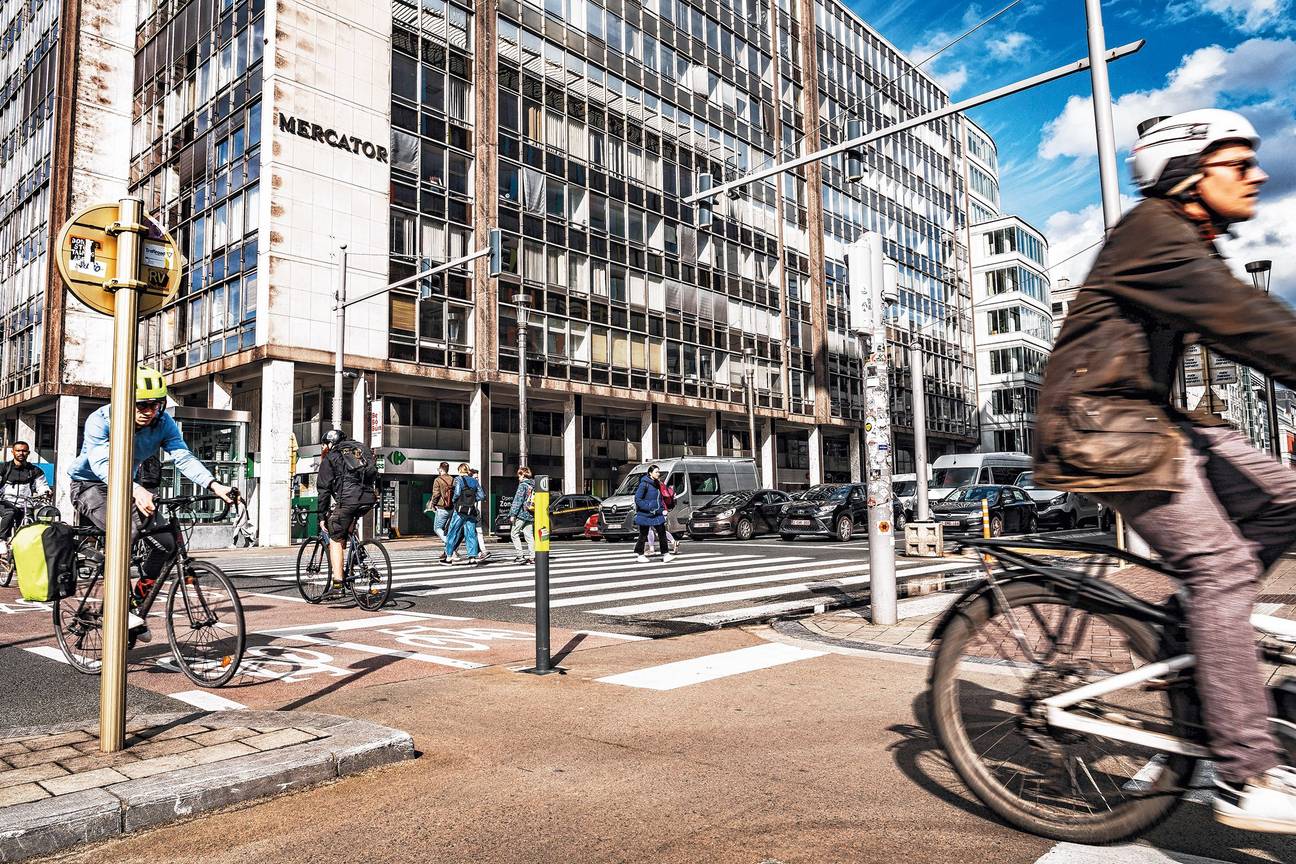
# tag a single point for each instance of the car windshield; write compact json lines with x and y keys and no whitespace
{"x":905,"y":487}
{"x":974,"y":493}
{"x":631,"y":483}
{"x":946,"y":477}
{"x":1026,"y":480}
{"x":730,"y":499}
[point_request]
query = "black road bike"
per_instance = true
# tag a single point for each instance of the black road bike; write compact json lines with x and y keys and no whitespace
{"x":366,"y":571}
{"x":27,"y":507}
{"x":204,"y":617}
{"x":1068,"y":705}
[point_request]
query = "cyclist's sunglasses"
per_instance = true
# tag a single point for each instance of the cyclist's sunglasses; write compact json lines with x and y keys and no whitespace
{"x":150,"y":405}
{"x":1243,"y":167}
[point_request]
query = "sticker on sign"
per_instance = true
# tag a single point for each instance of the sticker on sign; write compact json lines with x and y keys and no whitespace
{"x":81,"y":257}
{"x":155,"y":255}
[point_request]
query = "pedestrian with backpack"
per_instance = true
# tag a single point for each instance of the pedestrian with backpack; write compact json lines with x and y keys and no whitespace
{"x":468,"y":495}
{"x":348,"y":480}
{"x":523,"y":515}
{"x":484,"y":554}
{"x":442,"y":502}
{"x":650,"y":514}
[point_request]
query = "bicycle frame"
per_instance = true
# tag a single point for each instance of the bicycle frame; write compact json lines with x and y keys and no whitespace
{"x":1056,"y":707}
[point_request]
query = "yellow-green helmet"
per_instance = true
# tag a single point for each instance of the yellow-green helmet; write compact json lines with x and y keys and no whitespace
{"x":149,"y":384}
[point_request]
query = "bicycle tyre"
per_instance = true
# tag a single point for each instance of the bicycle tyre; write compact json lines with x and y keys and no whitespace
{"x":313,"y":570}
{"x":1129,"y":818}
{"x":78,"y":625}
{"x":372,"y":586}
{"x":206,"y":663}
{"x":6,"y":568}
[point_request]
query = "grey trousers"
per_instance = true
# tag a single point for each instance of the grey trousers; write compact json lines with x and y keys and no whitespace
{"x":1235,"y":517}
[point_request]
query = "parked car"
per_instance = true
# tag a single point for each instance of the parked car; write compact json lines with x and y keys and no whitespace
{"x":741,"y":514}
{"x":1011,"y":510}
{"x":567,"y":515}
{"x":1059,"y":509}
{"x":695,"y":479}
{"x":953,"y":470}
{"x":837,"y":510}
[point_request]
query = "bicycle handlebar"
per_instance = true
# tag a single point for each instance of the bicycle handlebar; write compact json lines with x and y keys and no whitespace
{"x":182,"y":501}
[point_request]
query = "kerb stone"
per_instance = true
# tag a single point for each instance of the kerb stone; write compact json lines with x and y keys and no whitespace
{"x":53,"y":824}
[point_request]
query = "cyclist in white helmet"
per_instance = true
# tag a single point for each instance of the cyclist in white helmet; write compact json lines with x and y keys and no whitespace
{"x":1211,"y":505}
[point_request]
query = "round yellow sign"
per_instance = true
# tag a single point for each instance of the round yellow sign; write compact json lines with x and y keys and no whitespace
{"x":87,"y":260}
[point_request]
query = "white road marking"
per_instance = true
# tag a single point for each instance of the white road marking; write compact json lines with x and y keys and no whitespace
{"x":1074,"y":853}
{"x":207,"y":701}
{"x":287,"y":597}
{"x":523,"y":577}
{"x":334,"y":626}
{"x":49,"y":652}
{"x":685,"y":673}
{"x":452,"y":662}
{"x":623,"y":636}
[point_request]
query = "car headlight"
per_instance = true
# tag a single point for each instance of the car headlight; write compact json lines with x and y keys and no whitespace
{"x":826,"y":511}
{"x":1057,"y":501}
{"x":726,"y":514}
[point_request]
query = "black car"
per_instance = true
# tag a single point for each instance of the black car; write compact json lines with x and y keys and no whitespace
{"x":567,"y":515}
{"x":741,"y":514}
{"x":832,"y":510}
{"x":1011,"y":510}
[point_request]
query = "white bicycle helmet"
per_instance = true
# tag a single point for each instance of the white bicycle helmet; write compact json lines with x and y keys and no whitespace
{"x":1165,"y":158}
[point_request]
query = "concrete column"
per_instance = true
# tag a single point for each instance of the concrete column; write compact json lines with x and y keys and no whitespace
{"x":768,"y":454}
{"x":856,"y":462}
{"x":67,"y":430}
{"x":648,"y":434}
{"x":816,"y":456}
{"x":274,"y":490}
{"x":479,"y":435}
{"x":713,"y":433}
{"x":573,"y":448}
{"x":221,"y":395}
{"x":25,"y":430}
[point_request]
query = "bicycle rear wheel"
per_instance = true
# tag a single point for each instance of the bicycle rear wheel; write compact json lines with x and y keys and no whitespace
{"x":6,"y":568}
{"x":371,"y":575}
{"x":1062,"y":784}
{"x":78,"y":625}
{"x":204,"y":623}
{"x":313,"y":572}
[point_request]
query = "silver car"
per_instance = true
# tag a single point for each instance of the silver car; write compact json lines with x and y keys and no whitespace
{"x":1059,"y":509}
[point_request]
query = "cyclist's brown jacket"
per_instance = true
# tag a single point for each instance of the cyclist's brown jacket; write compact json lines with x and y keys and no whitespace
{"x":1105,"y":422}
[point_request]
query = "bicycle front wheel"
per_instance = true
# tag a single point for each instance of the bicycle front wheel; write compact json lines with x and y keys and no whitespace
{"x":205,"y":623}
{"x":313,"y":571}
{"x":986,"y":691}
{"x":6,"y":568}
{"x":78,"y":624}
{"x":371,"y":575}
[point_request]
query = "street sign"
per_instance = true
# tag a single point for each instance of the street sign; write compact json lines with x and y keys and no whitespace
{"x":1194,"y":379}
{"x":1224,"y":372}
{"x":87,"y":260}
{"x":380,"y":462}
{"x":375,"y":423}
{"x":396,"y":457}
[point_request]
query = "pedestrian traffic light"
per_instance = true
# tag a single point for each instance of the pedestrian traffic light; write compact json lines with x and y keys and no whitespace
{"x":704,"y":205}
{"x":855,"y":169}
{"x":496,"y":240}
{"x":425,"y":283}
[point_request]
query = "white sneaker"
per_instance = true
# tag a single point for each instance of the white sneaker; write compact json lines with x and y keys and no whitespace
{"x":1266,"y":803}
{"x":642,"y":559}
{"x":136,"y":623}
{"x":667,"y":558}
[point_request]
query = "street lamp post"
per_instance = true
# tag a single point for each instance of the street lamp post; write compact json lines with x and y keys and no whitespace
{"x":523,"y":305}
{"x":339,"y":321}
{"x":749,"y":393}
{"x":1260,"y":272}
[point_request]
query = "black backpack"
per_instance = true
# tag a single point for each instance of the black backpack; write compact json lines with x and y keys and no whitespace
{"x":357,"y":474}
{"x":465,"y":503}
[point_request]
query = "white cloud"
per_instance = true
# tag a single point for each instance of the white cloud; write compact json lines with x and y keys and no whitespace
{"x":1207,"y":77}
{"x":1010,"y":46}
{"x":952,"y":80}
{"x":1075,"y":240}
{"x":1249,"y":16}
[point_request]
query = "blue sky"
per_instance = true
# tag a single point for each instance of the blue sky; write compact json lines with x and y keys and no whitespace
{"x":1237,"y":54}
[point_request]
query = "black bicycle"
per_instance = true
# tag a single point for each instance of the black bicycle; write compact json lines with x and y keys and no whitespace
{"x":366,"y":571}
{"x":1067,"y":704}
{"x":27,"y":507}
{"x":204,"y":617}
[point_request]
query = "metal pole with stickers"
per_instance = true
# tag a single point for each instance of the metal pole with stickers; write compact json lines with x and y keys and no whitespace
{"x":120,"y":262}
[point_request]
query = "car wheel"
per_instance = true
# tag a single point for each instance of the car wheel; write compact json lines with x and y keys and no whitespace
{"x":845,"y":528}
{"x":1069,"y":522}
{"x":787,"y":538}
{"x":1032,"y":525}
{"x":900,"y":521}
{"x":744,"y":529}
{"x":996,"y":526}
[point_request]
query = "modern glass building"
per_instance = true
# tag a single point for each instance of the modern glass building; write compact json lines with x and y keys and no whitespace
{"x":267,"y":136}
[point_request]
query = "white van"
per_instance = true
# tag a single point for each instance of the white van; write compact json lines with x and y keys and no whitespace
{"x":951,"y":471}
{"x":695,"y":479}
{"x":905,"y":488}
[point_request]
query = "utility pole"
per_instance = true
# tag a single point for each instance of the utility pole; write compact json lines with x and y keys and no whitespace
{"x":922,"y":512}
{"x":523,"y":304}
{"x":1107,"y":175}
{"x":339,"y":316}
{"x":749,"y":388}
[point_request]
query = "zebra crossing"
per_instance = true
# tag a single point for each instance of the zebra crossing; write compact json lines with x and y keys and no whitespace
{"x":705,"y":584}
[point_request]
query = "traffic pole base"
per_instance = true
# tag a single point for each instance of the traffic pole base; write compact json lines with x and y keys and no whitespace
{"x":536,"y":670}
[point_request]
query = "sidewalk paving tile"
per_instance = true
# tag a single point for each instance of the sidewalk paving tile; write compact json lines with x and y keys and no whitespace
{"x":279,"y":738}
{"x":85,"y":780}
{"x":169,"y":747}
{"x":67,"y":739}
{"x":221,"y":736}
{"x":34,"y":774}
{"x":193,"y":758}
{"x":21,"y":794}
{"x":40,"y":757}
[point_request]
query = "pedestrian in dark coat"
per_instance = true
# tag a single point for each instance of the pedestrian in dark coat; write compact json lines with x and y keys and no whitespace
{"x":650,"y":513}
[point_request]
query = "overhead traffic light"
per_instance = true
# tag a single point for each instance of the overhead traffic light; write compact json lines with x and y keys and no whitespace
{"x":855,"y":169}
{"x":496,"y":241}
{"x":704,"y":205}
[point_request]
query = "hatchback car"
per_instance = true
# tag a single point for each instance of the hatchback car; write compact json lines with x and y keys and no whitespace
{"x":1060,"y":509}
{"x":1011,"y":510}
{"x":567,"y":515}
{"x":837,"y":510}
{"x":740,"y":514}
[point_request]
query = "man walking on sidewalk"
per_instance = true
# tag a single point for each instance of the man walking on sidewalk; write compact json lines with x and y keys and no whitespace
{"x":442,"y":495}
{"x":523,"y":515}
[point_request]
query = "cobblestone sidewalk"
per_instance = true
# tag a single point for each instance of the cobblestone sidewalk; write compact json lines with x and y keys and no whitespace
{"x":58,"y":790}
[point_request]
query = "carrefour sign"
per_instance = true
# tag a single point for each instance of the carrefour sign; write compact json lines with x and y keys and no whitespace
{"x":333,"y":138}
